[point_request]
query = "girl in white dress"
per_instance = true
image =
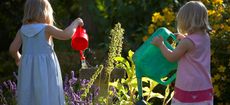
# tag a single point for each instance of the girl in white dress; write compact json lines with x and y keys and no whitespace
{"x":39,"y":74}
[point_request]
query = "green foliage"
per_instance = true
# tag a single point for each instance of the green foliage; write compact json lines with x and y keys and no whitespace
{"x":7,"y":67}
{"x":133,"y":15}
{"x":115,"y":46}
{"x":7,"y":98}
{"x":92,"y":80}
{"x":219,"y":17}
{"x":124,"y":90}
{"x":136,"y":18}
{"x":167,"y":95}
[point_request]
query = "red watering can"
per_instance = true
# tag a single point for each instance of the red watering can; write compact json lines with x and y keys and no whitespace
{"x":80,"y":43}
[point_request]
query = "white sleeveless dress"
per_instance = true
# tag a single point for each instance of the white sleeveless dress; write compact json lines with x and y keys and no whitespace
{"x":39,"y":75}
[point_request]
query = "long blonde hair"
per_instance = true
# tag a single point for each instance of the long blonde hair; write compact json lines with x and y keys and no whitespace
{"x":191,"y":17}
{"x":39,"y":11}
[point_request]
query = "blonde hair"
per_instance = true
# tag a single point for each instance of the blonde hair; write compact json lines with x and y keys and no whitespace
{"x":38,"y":11}
{"x":192,"y":17}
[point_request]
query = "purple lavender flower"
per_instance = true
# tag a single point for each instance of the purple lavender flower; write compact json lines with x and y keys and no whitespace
{"x":96,"y":91}
{"x":73,"y":80}
{"x":66,"y":83}
{"x":73,"y":94}
{"x":83,"y":83}
{"x":90,"y":98}
{"x":72,"y":103}
{"x":77,"y":96}
{"x":10,"y":84}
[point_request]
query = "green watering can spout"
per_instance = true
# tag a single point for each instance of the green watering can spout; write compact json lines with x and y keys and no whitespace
{"x":150,"y":62}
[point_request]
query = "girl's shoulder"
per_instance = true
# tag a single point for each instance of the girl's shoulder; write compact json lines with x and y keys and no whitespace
{"x":34,"y":24}
{"x":30,"y":30}
{"x":198,"y":37}
{"x":198,"y":34}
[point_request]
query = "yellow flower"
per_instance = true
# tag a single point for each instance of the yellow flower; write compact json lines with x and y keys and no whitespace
{"x":213,"y":80}
{"x":216,"y":90}
{"x":221,"y":68}
{"x":211,"y":12}
{"x":205,"y":1}
{"x":169,"y":15}
{"x":156,"y":18}
{"x":227,"y":28}
{"x":217,"y":77}
{"x":151,"y":28}
{"x":217,"y":1}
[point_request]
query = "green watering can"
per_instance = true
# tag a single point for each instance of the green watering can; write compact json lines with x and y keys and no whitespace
{"x":150,"y":62}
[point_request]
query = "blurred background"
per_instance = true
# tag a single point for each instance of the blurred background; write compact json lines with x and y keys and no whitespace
{"x":139,"y":18}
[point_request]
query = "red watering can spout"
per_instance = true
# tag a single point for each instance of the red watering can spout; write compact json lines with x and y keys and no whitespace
{"x":82,"y":55}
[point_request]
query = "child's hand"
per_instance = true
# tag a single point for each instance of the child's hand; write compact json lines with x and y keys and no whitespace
{"x":179,"y":36}
{"x":79,"y":22}
{"x":157,"y":41}
{"x":17,"y":59}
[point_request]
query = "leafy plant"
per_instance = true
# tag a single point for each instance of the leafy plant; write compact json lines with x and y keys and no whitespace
{"x":92,"y":79}
{"x":115,"y":48}
{"x":74,"y":93}
{"x":8,"y":93}
{"x":72,"y":90}
{"x":125,"y":90}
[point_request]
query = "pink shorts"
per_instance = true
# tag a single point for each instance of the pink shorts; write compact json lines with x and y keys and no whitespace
{"x":201,"y":97}
{"x":193,"y":96}
{"x":176,"y":102}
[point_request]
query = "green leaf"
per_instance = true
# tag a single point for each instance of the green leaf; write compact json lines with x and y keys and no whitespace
{"x":170,"y":98}
{"x":167,"y":91}
{"x":122,"y":60}
{"x":153,"y":84}
{"x":125,"y":102}
{"x":114,"y":84}
{"x":146,"y":89}
{"x":153,"y":95}
{"x":133,"y":83}
{"x":130,"y":53}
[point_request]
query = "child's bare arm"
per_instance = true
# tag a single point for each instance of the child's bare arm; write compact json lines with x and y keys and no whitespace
{"x":14,"y":47}
{"x":183,"y":46}
{"x":66,"y":33}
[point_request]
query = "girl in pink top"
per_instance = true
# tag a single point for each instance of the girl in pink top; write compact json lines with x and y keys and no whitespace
{"x":193,"y":82}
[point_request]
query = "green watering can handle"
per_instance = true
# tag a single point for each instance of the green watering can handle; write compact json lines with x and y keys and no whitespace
{"x":168,"y":44}
{"x":173,"y":37}
{"x":169,"y":80}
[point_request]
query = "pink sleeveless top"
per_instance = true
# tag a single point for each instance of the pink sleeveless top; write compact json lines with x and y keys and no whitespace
{"x":193,"y":81}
